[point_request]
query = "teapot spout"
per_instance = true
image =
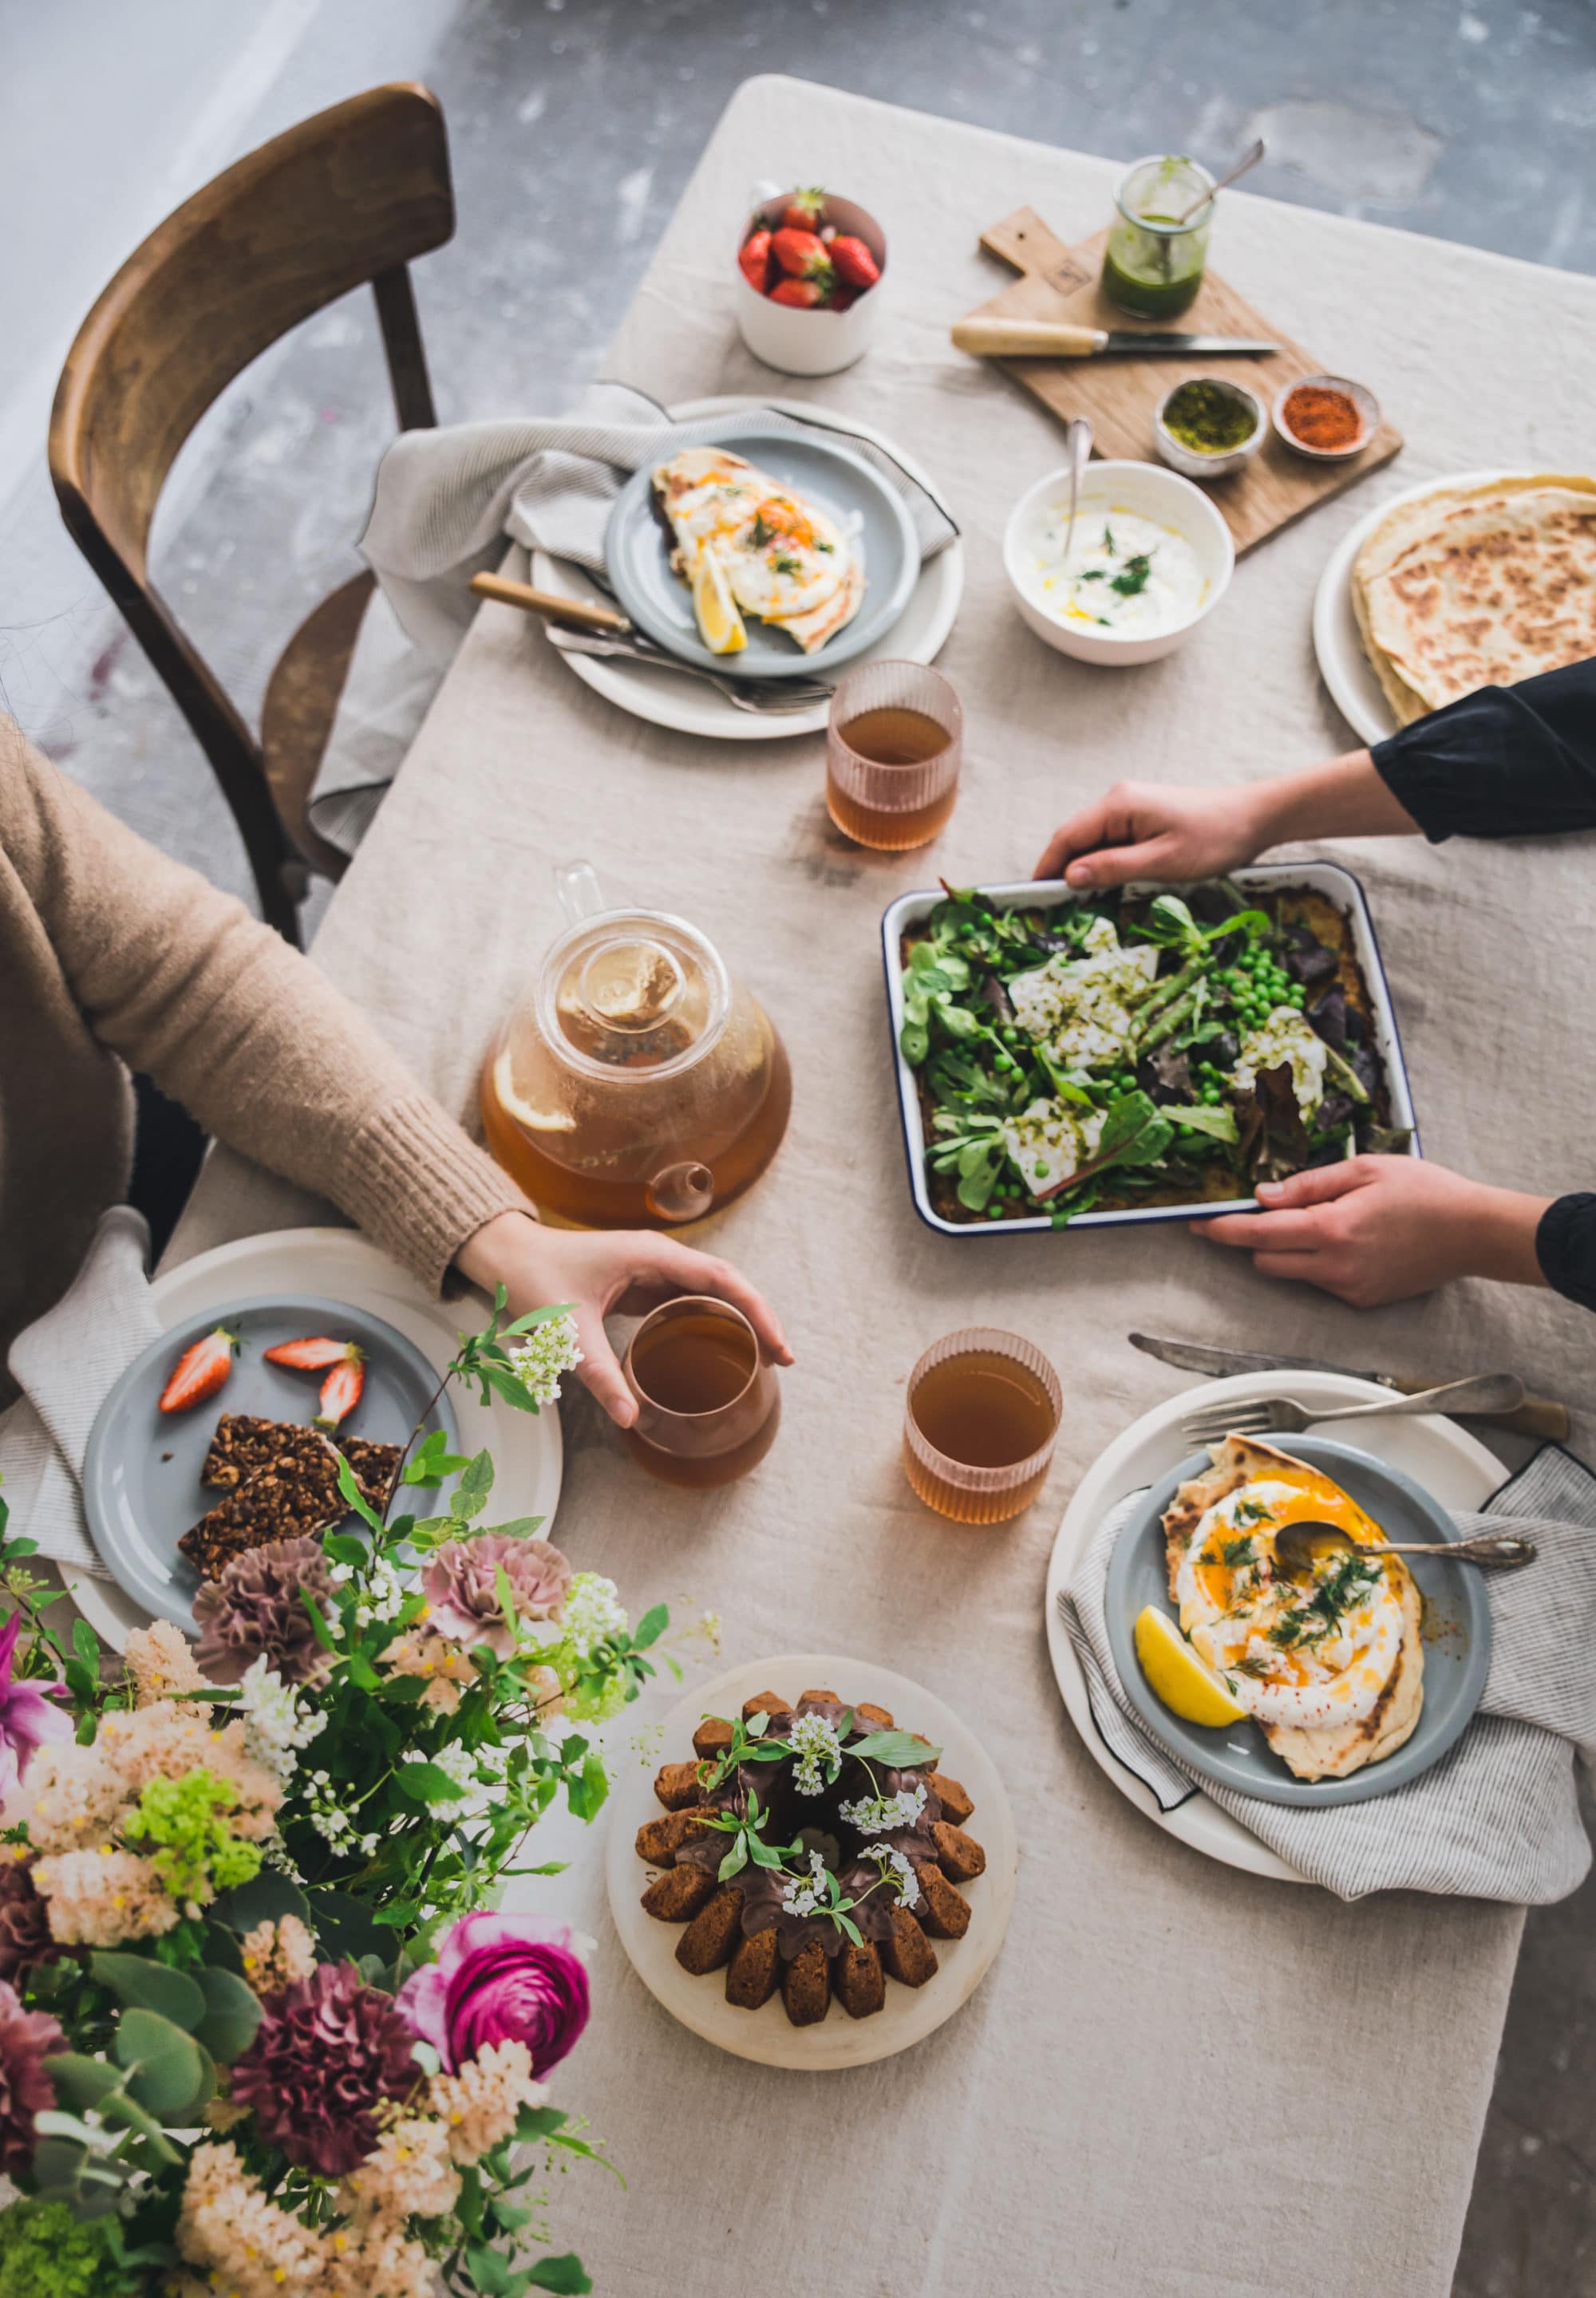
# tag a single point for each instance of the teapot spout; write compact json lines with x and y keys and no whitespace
{"x":578,"y":885}
{"x":681,"y":1192}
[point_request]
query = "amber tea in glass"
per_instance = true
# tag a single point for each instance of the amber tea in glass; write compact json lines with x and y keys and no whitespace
{"x":982,"y":1420}
{"x":708,"y":1405}
{"x":893,"y":750}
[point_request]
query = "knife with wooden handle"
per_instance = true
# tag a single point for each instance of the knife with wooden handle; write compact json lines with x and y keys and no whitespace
{"x":577,"y":612}
{"x":1069,"y":339}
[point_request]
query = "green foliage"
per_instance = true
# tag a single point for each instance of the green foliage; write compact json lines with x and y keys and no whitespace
{"x":181,"y":1825}
{"x":232,"y":2014}
{"x":48,"y":2253}
{"x":142,"y":1982}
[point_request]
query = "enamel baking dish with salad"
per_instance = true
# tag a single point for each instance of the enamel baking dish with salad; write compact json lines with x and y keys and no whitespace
{"x":1144,"y":1054}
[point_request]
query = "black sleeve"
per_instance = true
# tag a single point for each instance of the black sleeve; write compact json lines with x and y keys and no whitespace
{"x":1508,"y":762}
{"x":1565,"y":1248}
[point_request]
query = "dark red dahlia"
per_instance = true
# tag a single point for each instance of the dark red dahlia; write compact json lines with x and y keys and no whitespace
{"x":24,"y":1919}
{"x":328,"y":2050}
{"x":25,"y":2038}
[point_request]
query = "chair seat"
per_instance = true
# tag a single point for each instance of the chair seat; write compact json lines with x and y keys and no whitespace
{"x":301,"y":700}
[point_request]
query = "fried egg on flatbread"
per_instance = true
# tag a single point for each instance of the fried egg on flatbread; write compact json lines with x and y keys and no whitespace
{"x":1331,"y":1668}
{"x":782,"y":559}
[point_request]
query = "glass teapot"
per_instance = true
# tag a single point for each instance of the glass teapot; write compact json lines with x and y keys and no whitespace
{"x":634,"y":1085}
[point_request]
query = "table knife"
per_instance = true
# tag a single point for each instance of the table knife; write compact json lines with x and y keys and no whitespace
{"x":1069,"y":339}
{"x":1537,"y":1416}
{"x":555,"y":604}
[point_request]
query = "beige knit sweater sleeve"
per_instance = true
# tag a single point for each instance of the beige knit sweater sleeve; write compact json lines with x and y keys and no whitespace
{"x":182,"y":983}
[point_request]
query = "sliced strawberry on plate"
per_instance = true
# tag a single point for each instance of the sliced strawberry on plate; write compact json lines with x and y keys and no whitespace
{"x":307,"y":1356}
{"x":801,"y":254}
{"x":803,"y":294}
{"x":754,"y":257}
{"x":857,"y":267}
{"x":200,"y":1371}
{"x":804,"y":211}
{"x":340,"y":1389}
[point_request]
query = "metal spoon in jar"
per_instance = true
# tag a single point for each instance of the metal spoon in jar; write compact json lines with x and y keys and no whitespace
{"x":1249,"y":159}
{"x":1296,"y":1545}
{"x":1078,"y":447}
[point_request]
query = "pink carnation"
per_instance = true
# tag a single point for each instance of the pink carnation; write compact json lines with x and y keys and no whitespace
{"x":501,"y":1979}
{"x":462,"y":1587}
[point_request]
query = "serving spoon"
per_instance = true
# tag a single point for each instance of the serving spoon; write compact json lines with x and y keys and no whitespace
{"x":1296,"y":1545}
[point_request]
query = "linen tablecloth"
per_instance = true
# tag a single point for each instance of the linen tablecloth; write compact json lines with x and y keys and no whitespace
{"x":1130,"y":2105}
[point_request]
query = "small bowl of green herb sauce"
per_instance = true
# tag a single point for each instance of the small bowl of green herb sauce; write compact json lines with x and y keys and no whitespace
{"x":1206,"y":427}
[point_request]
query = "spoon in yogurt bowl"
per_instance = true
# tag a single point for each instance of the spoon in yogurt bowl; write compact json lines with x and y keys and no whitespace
{"x":1297,"y":1545}
{"x":1077,"y":448}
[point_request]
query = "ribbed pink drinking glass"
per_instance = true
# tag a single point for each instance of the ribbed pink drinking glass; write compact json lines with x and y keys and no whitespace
{"x":893,"y":750}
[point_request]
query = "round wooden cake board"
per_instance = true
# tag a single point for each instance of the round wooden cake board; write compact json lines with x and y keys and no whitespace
{"x":911,"y":2012}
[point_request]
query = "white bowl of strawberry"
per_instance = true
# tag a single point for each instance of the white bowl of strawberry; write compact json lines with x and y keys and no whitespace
{"x":808,"y":269}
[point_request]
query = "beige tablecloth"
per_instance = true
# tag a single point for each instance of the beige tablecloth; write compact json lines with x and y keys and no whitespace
{"x":1177,"y":2079}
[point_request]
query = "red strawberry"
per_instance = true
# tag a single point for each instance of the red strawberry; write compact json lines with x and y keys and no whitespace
{"x":307,"y":1356}
{"x":801,"y":253}
{"x":855,"y":263}
{"x":843,"y":299}
{"x":340,"y":1389}
{"x":754,"y":257}
{"x":200,"y":1371}
{"x":804,"y":210}
{"x":803,"y":294}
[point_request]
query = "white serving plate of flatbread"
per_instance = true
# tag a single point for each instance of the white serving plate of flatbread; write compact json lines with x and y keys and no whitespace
{"x":1452,"y":1466}
{"x":910,"y":2013}
{"x":691,"y":705}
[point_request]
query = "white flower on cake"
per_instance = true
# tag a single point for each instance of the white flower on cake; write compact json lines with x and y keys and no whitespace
{"x":805,"y":1893}
{"x":814,"y":1742}
{"x":1081,"y":1008}
{"x":1284,"y":1036}
{"x":898,"y":1869}
{"x":884,"y":1814}
{"x":540,"y":1356}
{"x":1049,"y":1142}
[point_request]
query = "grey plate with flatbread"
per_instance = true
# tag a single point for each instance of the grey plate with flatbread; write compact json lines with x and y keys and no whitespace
{"x":1457,"y":1636}
{"x":637,"y":547}
{"x":141,"y":1473}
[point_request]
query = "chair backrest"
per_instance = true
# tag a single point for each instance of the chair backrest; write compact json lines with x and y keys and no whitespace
{"x":344,"y":200}
{"x":331,"y":204}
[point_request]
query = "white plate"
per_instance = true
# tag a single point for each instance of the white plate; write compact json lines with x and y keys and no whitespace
{"x":1450,"y":1463}
{"x":911,"y":2014}
{"x":1327,"y":878}
{"x":1343,"y":665}
{"x":528,"y":1454}
{"x":664,"y":697}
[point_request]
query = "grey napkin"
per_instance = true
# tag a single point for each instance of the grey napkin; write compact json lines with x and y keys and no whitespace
{"x":446,"y":502}
{"x":65,"y":1363}
{"x":1498,"y":1817}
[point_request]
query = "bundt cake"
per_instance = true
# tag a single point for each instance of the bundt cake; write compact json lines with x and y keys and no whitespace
{"x":812,"y":1849}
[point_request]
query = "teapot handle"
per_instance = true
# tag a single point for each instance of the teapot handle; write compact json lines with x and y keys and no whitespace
{"x":578,"y":885}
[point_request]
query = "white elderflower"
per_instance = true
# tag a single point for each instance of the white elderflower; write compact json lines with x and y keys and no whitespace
{"x":885,"y":1815}
{"x":814,"y":1742}
{"x":804,"y":1895}
{"x":277,"y":1724}
{"x":593,"y":1612}
{"x":898,"y":1870}
{"x":540,"y":1356}
{"x":385,"y":1596}
{"x":460,"y":1765}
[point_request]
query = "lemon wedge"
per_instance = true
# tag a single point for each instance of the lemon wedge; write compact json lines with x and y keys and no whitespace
{"x":1183,"y":1682}
{"x":719,"y":622}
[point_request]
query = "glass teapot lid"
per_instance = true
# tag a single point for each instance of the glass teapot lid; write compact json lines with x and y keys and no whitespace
{"x":628,"y":993}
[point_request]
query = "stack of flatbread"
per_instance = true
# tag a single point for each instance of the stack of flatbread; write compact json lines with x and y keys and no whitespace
{"x":1478,"y":583}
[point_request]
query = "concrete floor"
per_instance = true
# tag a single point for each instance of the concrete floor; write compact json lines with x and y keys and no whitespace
{"x":573,"y":125}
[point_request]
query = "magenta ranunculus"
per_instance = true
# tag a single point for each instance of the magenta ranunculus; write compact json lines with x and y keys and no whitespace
{"x":462,"y":1587}
{"x":501,"y":1979}
{"x":29,"y":1713}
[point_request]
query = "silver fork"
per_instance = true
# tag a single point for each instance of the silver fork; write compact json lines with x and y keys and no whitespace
{"x":1280,"y":1416}
{"x":769,"y":698}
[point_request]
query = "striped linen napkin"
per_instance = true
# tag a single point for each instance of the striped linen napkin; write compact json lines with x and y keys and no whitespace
{"x":446,"y":503}
{"x":1498,"y":1816}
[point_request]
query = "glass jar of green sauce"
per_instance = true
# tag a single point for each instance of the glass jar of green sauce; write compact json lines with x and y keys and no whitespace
{"x":1153,"y":264}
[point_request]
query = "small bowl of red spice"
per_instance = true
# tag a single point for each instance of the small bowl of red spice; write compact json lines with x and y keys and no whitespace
{"x":1327,"y":417}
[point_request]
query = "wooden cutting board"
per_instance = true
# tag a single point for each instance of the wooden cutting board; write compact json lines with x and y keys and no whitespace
{"x":1119,"y":393}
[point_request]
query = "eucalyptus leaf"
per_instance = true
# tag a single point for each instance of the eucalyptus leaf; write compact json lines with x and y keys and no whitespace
{"x":232,"y":2014}
{"x":266,"y":1898}
{"x":78,"y":2080}
{"x":165,"y":2065}
{"x":135,"y":1978}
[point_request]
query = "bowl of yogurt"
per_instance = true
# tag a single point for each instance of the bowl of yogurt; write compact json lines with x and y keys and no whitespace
{"x":1150,"y":559}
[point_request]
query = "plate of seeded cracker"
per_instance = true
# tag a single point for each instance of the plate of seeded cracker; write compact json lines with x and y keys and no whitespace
{"x":173,"y":1490}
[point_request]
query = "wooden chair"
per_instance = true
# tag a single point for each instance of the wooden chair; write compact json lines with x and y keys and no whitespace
{"x":345,"y":199}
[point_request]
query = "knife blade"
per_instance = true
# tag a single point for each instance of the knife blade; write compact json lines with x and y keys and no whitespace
{"x":1537,"y":1416}
{"x":997,"y":338}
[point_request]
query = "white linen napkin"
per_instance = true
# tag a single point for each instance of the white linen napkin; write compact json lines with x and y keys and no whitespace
{"x":1498,"y":1817}
{"x":446,"y":502}
{"x":65,"y":1363}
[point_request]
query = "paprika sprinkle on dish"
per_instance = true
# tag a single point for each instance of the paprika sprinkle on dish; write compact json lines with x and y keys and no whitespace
{"x":1322,"y":418}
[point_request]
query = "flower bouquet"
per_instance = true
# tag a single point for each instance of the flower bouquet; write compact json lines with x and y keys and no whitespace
{"x":261,"y":2030}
